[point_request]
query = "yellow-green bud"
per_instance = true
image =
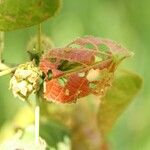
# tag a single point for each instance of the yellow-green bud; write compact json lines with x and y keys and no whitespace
{"x":46,"y":44}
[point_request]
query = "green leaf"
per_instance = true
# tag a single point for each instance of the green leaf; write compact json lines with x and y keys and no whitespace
{"x":54,"y":133}
{"x":125,"y":86}
{"x":24,"y":13}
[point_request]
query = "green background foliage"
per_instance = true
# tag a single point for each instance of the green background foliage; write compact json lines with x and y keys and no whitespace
{"x":124,"y":21}
{"x":124,"y":88}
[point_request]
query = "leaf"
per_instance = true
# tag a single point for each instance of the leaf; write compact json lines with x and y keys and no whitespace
{"x":75,"y":60}
{"x":53,"y":132}
{"x":125,"y":86}
{"x":25,"y":13}
{"x":77,"y":51}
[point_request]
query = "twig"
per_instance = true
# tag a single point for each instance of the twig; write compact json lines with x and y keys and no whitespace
{"x":37,"y":108}
{"x":37,"y":119}
{"x":3,"y":67}
{"x":39,"y":38}
{"x":7,"y":71}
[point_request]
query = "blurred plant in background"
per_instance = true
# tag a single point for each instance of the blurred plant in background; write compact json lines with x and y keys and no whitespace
{"x":123,"y":21}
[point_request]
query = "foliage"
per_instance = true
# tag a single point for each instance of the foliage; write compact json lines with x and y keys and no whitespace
{"x":83,"y":67}
{"x":21,"y":14}
{"x":77,"y":63}
{"x":116,"y":100}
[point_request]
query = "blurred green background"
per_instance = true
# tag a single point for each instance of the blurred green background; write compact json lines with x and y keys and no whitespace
{"x":124,"y":21}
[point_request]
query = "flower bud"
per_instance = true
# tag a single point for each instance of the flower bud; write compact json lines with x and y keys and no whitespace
{"x":25,"y":80}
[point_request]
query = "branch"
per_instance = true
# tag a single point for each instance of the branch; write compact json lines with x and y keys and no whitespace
{"x":39,"y":38}
{"x":3,"y":67}
{"x":7,"y":71}
{"x":37,"y":121}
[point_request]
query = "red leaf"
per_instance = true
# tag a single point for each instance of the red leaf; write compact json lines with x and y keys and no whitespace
{"x":46,"y":65}
{"x":77,"y":86}
{"x":72,"y":54}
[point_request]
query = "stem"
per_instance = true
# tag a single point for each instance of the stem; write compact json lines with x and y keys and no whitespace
{"x":3,"y":67}
{"x":29,"y":104}
{"x":1,"y":44}
{"x":7,"y":71}
{"x":37,"y":120}
{"x":37,"y":107}
{"x":39,"y":38}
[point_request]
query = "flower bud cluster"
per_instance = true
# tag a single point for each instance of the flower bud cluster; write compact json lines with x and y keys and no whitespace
{"x":25,"y":80}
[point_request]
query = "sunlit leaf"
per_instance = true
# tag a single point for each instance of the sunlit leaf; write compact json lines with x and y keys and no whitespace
{"x":24,"y":13}
{"x":125,"y":86}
